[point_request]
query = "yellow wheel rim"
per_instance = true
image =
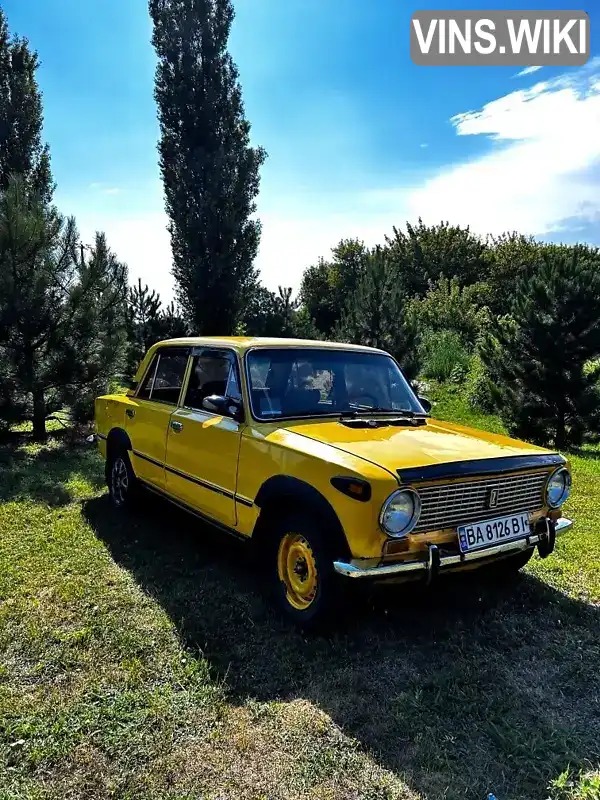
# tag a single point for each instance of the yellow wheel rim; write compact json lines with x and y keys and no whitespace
{"x":297,"y":570}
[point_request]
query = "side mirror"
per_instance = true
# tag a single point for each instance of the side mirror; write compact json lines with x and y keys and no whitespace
{"x":225,"y":406}
{"x":427,"y":404}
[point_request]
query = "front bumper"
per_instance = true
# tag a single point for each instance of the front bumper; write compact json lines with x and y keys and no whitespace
{"x":438,"y":561}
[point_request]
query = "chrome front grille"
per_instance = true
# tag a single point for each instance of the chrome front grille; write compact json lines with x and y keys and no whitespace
{"x":450,"y":505}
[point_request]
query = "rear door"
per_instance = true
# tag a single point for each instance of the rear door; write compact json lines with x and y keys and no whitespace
{"x":203,"y":447}
{"x":147,"y":420}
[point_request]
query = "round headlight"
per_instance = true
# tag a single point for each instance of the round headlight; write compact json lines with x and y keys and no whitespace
{"x":558,"y":487}
{"x":400,"y":512}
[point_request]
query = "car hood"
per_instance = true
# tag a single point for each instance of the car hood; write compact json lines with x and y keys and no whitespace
{"x":398,"y":448}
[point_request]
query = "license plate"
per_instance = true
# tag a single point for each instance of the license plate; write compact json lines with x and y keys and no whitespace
{"x":492,"y":532}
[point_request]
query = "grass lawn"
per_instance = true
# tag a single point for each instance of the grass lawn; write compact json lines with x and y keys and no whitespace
{"x":139,"y":659}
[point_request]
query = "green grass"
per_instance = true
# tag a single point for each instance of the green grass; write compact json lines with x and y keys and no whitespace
{"x":139,"y":659}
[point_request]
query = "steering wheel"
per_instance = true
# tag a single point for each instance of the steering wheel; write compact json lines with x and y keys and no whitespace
{"x":362,"y":396}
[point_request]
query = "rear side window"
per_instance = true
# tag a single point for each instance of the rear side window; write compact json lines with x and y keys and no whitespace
{"x":164,"y":379}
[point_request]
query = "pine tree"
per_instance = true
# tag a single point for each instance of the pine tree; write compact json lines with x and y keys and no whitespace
{"x":61,"y":315}
{"x":148,"y":323}
{"x":172,"y":324}
{"x":143,"y":313}
{"x":545,"y":357}
{"x":269,"y":314}
{"x":93,"y":349}
{"x":22,"y":151}
{"x":375,"y":314}
{"x":210,"y":171}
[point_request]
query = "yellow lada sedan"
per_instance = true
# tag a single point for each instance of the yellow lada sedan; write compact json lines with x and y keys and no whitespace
{"x":323,"y":456}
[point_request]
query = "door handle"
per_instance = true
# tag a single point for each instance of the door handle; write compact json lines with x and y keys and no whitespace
{"x":130,"y":412}
{"x":177,"y":426}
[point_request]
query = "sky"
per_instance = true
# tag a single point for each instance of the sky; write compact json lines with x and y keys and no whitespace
{"x":359,"y":139}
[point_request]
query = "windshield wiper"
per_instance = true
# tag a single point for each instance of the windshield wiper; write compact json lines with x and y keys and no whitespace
{"x":399,"y":412}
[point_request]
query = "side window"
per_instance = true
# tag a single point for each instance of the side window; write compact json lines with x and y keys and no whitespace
{"x":148,"y":382}
{"x":212,"y":373}
{"x":165,"y":377}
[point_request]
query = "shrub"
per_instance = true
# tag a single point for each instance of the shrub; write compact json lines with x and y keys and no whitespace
{"x":448,"y":306}
{"x":478,"y":386}
{"x":444,"y":356}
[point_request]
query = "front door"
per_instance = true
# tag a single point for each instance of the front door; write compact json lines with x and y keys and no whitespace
{"x":203,"y":447}
{"x":148,"y":415}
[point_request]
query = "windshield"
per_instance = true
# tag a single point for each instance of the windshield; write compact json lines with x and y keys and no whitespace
{"x":308,"y":382}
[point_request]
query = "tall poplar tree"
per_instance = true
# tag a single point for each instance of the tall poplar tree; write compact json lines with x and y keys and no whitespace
{"x":210,"y":171}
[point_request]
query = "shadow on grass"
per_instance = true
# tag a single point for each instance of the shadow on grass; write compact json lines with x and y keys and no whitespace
{"x":45,"y":473}
{"x":463,"y":690}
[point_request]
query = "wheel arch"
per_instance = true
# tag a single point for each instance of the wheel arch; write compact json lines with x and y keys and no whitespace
{"x":279,"y":492}
{"x":117,"y":439}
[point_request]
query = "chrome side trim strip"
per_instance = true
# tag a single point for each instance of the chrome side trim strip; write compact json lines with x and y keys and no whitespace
{"x":204,"y":484}
{"x":148,"y":459}
{"x":199,"y":482}
{"x":350,"y":570}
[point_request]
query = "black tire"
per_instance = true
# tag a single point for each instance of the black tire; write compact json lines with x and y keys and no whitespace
{"x":510,"y":566}
{"x":121,"y":480}
{"x":304,"y":536}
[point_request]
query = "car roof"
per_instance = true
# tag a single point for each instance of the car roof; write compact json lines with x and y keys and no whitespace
{"x":243,"y":343}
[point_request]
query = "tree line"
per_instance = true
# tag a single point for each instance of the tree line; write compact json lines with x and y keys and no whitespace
{"x":515,"y":322}
{"x":511,"y":320}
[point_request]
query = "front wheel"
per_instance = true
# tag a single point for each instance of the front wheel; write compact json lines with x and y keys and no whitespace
{"x":307,"y":589}
{"x":122,"y":483}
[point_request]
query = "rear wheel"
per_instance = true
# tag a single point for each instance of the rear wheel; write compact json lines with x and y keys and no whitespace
{"x":122,"y":483}
{"x":306,"y":587}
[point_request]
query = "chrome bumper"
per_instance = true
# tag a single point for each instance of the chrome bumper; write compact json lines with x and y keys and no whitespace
{"x":437,"y":561}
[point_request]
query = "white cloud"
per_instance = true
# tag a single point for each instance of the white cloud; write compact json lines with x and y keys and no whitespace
{"x":540,"y":170}
{"x":526,"y":71}
{"x":102,"y":188}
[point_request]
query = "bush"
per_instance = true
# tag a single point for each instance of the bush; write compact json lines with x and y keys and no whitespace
{"x":448,"y":306}
{"x":445,"y":357}
{"x":479,"y":386}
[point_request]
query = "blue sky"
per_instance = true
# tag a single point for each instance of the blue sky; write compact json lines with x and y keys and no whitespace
{"x":359,"y":138}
